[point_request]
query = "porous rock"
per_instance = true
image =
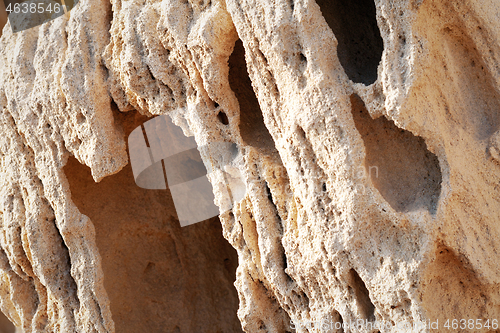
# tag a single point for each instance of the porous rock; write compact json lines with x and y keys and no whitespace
{"x":370,"y":140}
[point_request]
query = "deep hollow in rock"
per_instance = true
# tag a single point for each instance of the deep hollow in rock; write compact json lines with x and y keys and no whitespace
{"x":159,"y":277}
{"x":362,"y":295}
{"x":408,"y":175}
{"x":360,"y":45}
{"x":337,"y":318}
{"x":252,"y":128}
{"x":223,"y":118}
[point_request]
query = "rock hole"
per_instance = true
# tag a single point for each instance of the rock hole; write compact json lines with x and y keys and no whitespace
{"x":365,"y":305}
{"x":338,"y":322}
{"x":269,"y":194}
{"x":80,"y":118}
{"x":252,"y":128}
{"x":223,"y":118}
{"x":285,"y":266}
{"x":275,"y":208}
{"x":360,"y":46}
{"x":151,"y":265}
{"x":405,"y":173}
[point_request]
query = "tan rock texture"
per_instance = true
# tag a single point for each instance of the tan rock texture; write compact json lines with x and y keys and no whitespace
{"x":370,"y":140}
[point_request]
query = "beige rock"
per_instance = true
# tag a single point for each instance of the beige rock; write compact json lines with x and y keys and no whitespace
{"x":370,"y":140}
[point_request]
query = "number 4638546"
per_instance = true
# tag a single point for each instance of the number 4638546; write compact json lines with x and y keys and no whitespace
{"x":33,"y":8}
{"x":471,"y":324}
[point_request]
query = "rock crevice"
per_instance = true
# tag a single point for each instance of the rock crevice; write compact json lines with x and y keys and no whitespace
{"x":368,"y":133}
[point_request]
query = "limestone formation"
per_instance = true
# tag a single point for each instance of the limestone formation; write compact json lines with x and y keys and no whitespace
{"x":370,"y":140}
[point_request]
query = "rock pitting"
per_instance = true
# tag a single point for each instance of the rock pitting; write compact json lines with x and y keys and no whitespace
{"x":369,"y":133}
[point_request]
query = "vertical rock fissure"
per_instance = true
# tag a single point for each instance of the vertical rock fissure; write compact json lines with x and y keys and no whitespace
{"x":362,"y":294}
{"x":252,"y":128}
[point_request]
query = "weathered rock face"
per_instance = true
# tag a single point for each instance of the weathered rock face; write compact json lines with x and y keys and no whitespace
{"x":370,"y":136}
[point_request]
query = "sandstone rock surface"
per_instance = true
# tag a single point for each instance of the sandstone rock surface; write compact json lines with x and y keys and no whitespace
{"x":370,"y":136}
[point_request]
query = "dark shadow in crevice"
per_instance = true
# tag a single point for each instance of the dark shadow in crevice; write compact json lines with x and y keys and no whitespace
{"x":360,"y":45}
{"x":338,"y":322}
{"x":252,"y":128}
{"x":223,"y":118}
{"x":362,"y":295}
{"x":407,"y":175}
{"x":159,"y":277}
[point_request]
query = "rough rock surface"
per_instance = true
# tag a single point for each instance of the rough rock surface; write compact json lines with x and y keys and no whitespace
{"x":370,"y":135}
